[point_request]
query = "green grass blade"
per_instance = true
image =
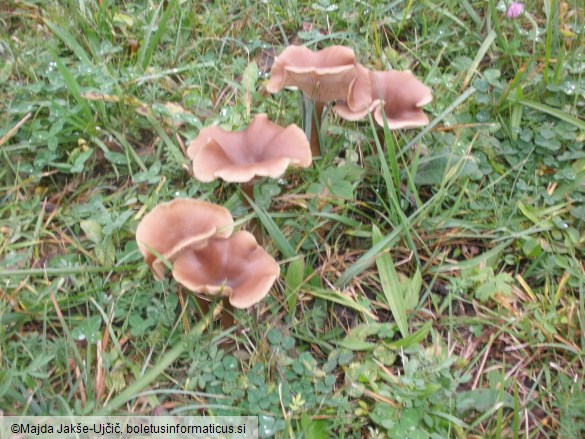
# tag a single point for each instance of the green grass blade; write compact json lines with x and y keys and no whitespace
{"x":369,"y":257}
{"x":582,"y":308}
{"x":501,"y":396}
{"x":477,"y":261}
{"x":404,"y":16}
{"x":512,"y":85}
{"x":340,"y":299}
{"x":277,"y":236}
{"x":412,"y":339}
{"x":294,"y":279}
{"x":438,"y":9}
{"x":559,"y":114}
{"x":516,"y":416}
{"x":472,"y":14}
{"x":173,"y":149}
{"x":479,"y":56}
{"x":66,"y":271}
{"x":550,"y":25}
{"x":141,"y":383}
{"x":71,"y":83}
{"x":462,"y":98}
{"x":151,"y":41}
{"x":70,"y":42}
{"x":503,"y":42}
{"x":391,"y":176}
{"x":391,"y":285}
{"x":129,"y":150}
{"x":389,"y":167}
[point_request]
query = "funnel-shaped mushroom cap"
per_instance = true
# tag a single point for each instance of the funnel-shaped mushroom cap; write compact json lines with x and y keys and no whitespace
{"x":399,"y":95}
{"x":359,"y":97}
{"x":236,"y":267}
{"x":263,"y":149}
{"x":324,"y":75}
{"x":171,"y":228}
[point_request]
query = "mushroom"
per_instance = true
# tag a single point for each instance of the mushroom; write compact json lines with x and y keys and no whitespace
{"x":264,"y":149}
{"x":397,"y":95}
{"x":324,"y":75}
{"x":171,"y":228}
{"x":236,"y":268}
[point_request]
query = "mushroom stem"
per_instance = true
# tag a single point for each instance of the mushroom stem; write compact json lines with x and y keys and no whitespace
{"x":313,"y":117}
{"x":381,"y":137}
{"x":316,"y":128}
{"x":202,"y":305}
{"x":227,"y":320}
{"x":227,"y":315}
{"x":248,"y":189}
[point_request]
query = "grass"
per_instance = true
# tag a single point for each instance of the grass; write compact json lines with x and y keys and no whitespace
{"x":432,"y":280}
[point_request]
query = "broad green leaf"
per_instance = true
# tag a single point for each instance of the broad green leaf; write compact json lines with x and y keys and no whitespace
{"x":356,"y":339}
{"x":356,"y":345}
{"x":579,"y":212}
{"x":335,"y":297}
{"x":123,"y":19}
{"x":314,"y":429}
{"x":531,"y":248}
{"x":274,"y":336}
{"x":391,"y":285}
{"x":480,"y":400}
{"x":106,"y":251}
{"x":412,"y":339}
{"x":295,"y":275}
{"x":93,"y":230}
{"x":80,"y":160}
{"x":434,"y":170}
{"x":89,"y":329}
{"x":411,"y":289}
{"x":384,"y":415}
{"x":250,"y":77}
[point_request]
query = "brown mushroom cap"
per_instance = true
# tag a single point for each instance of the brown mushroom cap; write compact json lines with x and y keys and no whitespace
{"x":236,"y":267}
{"x":324,"y":75}
{"x":171,"y":228}
{"x":398,"y":94}
{"x":263,"y":149}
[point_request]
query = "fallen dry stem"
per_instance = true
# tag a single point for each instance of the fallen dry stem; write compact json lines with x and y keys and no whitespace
{"x":14,"y":129}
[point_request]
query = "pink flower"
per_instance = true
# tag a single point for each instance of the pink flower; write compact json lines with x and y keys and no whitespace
{"x":515,"y":10}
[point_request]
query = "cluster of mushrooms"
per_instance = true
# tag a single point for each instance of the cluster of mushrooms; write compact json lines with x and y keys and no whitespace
{"x":334,"y":75}
{"x":195,"y":238}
